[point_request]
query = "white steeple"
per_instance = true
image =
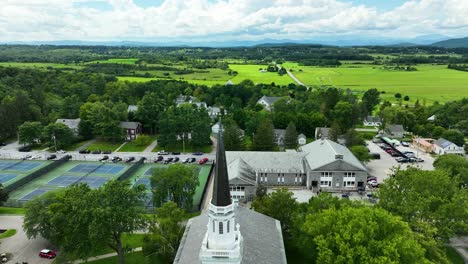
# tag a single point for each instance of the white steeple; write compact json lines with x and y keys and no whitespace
{"x":223,"y":241}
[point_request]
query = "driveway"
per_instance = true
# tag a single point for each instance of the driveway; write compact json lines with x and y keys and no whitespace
{"x":382,"y":167}
{"x":22,"y":248}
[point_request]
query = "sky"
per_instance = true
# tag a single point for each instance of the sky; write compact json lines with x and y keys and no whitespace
{"x":229,"y":20}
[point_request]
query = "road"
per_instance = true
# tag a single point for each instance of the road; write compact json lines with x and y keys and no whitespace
{"x":293,"y":77}
{"x":22,"y":248}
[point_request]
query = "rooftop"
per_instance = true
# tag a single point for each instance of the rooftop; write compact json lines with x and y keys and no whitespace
{"x":129,"y":125}
{"x":270,"y":99}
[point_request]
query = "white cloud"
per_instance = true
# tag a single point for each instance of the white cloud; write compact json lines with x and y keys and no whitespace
{"x":31,"y":20}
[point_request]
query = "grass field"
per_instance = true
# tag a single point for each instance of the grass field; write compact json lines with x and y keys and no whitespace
{"x":430,"y":82}
{"x":8,"y":233}
{"x":118,"y":61}
{"x":251,"y":72}
{"x":188,"y":148}
{"x":39,"y":65}
{"x":453,"y":255}
{"x":11,"y":211}
{"x":104,"y":145}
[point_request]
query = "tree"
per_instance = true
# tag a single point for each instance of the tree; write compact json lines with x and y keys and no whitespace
{"x":352,"y":138}
{"x":3,"y":195}
{"x":30,"y":132}
{"x":398,"y":95}
{"x":176,"y":183}
{"x":58,"y":134}
{"x":232,"y":136}
{"x":264,"y":137}
{"x":200,"y":128}
{"x":455,"y":136}
{"x":117,"y":211}
{"x":343,"y":113}
{"x":430,"y":201}
{"x":361,"y":153}
{"x":149,"y":111}
{"x":455,"y":165}
{"x":290,"y":138}
{"x":280,"y":205}
{"x":362,"y":235}
{"x":165,"y":233}
{"x":406,"y":98}
{"x":370,"y":99}
{"x":334,"y":132}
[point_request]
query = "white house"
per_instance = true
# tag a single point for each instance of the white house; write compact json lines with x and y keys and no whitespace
{"x":132,"y":108}
{"x":268,"y":101}
{"x":443,"y":146}
{"x":372,"y":121}
{"x":301,"y":139}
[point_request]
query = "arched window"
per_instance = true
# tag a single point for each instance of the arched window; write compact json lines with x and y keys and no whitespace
{"x":227,"y":226}
{"x":220,"y":228}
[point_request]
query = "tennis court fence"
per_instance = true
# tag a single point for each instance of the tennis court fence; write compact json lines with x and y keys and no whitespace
{"x":128,"y":173}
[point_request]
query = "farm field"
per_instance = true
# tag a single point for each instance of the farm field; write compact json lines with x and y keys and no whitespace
{"x":251,"y":72}
{"x":39,"y":65}
{"x":430,"y":82}
{"x":119,"y":61}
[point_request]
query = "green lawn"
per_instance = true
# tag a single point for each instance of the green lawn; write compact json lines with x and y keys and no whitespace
{"x":8,"y":233}
{"x":40,"y":65}
{"x":252,"y":72}
{"x":104,"y":145}
{"x":133,"y":147}
{"x":131,"y":258}
{"x":188,"y":148}
{"x":430,"y":82}
{"x":76,"y":145}
{"x":11,"y":211}
{"x":118,"y":61}
{"x":453,"y":255}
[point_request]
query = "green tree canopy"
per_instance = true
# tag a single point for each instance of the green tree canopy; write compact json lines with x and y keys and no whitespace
{"x":264,"y":137}
{"x":150,"y":108}
{"x":455,"y":136}
{"x":59,"y":134}
{"x":455,"y":165}
{"x":232,"y":135}
{"x":3,"y":195}
{"x":176,"y":183}
{"x":30,"y":132}
{"x":361,"y":153}
{"x":370,"y":99}
{"x":290,"y":138}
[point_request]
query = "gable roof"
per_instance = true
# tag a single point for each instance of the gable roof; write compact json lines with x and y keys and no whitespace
{"x":280,"y":133}
{"x":396,"y":128}
{"x":322,"y":152}
{"x":239,"y":169}
{"x":301,"y":136}
{"x":373,"y":119}
{"x":269,"y":99}
{"x":443,"y":143}
{"x":132,"y":108}
{"x":269,"y":161}
{"x":130,"y":125}
{"x":71,"y":123}
{"x":322,"y":132}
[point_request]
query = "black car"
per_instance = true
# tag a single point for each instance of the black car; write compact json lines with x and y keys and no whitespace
{"x":84,"y":151}
{"x":168,"y":160}
{"x":375,"y":155}
{"x":187,"y":160}
{"x":51,"y":157}
{"x":175,"y":153}
{"x":129,"y":159}
{"x":116,"y":159}
{"x":192,"y":160}
{"x":2,"y":144}
{"x":198,"y":153}
{"x":106,"y":152}
{"x":24,"y":149}
{"x":104,"y":158}
{"x":97,"y":151}
{"x":159,"y":158}
{"x":176,"y":159}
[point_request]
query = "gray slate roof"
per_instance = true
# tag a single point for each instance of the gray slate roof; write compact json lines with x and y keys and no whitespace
{"x":71,"y":123}
{"x":322,"y":132}
{"x":373,"y":119}
{"x":323,"y":151}
{"x":239,"y":169}
{"x":443,"y":143}
{"x":269,"y":161}
{"x":396,"y":128}
{"x":129,"y":125}
{"x":263,"y":241}
{"x":301,"y":136}
{"x":269,"y":99}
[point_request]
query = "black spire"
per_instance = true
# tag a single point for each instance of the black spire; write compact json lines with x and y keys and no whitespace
{"x":221,"y":195}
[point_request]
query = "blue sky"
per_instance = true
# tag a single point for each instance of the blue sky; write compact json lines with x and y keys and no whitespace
{"x":229,"y":20}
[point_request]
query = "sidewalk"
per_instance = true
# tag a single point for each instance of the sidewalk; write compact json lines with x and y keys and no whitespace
{"x":103,"y":256}
{"x":151,"y":146}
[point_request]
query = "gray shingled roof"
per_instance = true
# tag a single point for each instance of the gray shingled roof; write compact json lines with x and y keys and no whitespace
{"x":322,"y":152}
{"x":322,"y":132}
{"x":269,"y":161}
{"x":129,"y":125}
{"x":373,"y":119}
{"x":71,"y":123}
{"x":263,"y":241}
{"x":442,"y":142}
{"x":240,"y":169}
{"x":396,"y":128}
{"x":270,"y":99}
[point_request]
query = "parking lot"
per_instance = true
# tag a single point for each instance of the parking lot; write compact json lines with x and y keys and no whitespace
{"x":382,"y":168}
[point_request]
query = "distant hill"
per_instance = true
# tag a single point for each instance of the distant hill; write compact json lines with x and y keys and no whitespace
{"x":452,"y":43}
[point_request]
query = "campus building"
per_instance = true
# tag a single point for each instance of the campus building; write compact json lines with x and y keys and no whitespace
{"x":228,"y":233}
{"x":321,"y":165}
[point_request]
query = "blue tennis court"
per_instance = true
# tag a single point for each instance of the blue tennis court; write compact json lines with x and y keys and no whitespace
{"x":149,"y":200}
{"x":94,"y":182}
{"x":97,"y":168}
{"x":18,"y":165}
{"x":66,"y":180}
{"x":144,"y":181}
{"x":4,"y":177}
{"x":33,"y":194}
{"x":149,"y":172}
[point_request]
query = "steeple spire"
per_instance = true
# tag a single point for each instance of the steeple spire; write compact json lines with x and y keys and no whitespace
{"x":221,"y":195}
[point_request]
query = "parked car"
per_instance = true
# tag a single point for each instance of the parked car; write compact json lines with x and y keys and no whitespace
{"x":84,"y":151}
{"x":51,"y":157}
{"x":187,"y":160}
{"x":104,"y":158}
{"x":36,"y":157}
{"x":371,"y":178}
{"x":163,"y":152}
{"x":106,"y":152}
{"x":414,"y":159}
{"x":2,"y":144}
{"x":192,"y":160}
{"x":129,"y":159}
{"x":375,"y":155}
{"x":24,"y":149}
{"x":374,"y":184}
{"x":389,"y":151}
{"x":203,"y":161}
{"x":395,"y":154}
{"x":116,"y":159}
{"x":61,"y":151}
{"x":402,"y":160}
{"x":176,"y":159}
{"x":175,"y":153}
{"x":404,"y":144}
{"x":47,"y":253}
{"x":27,"y":157}
{"x":159,"y":158}
{"x":167,"y":160}
{"x":97,"y":151}
{"x":198,"y":153}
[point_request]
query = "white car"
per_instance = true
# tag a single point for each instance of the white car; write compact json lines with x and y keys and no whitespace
{"x":61,"y":151}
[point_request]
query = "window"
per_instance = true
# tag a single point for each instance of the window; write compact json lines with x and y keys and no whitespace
{"x":213,"y":226}
{"x":282,"y":179}
{"x":279,"y":178}
{"x":327,"y":173}
{"x":227,"y":227}
{"x":348,"y":184}
{"x":220,"y":228}
{"x":349,"y":174}
{"x":325,"y":183}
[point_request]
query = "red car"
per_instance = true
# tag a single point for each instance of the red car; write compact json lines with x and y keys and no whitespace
{"x":203,"y":161}
{"x":47,"y":253}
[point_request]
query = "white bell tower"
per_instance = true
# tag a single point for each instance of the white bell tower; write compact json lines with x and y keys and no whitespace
{"x":223,"y":241}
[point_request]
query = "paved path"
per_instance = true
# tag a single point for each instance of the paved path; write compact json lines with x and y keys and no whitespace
{"x":461,"y":245}
{"x":86,"y":145}
{"x":296,"y":79}
{"x":123,"y":144}
{"x":22,"y":248}
{"x":151,"y":146}
{"x":103,"y":256}
{"x":367,"y":129}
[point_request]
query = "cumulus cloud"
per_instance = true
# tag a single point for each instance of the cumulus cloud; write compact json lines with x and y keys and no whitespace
{"x":36,"y":20}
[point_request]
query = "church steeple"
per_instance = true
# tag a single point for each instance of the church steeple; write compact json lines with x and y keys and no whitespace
{"x":221,"y":195}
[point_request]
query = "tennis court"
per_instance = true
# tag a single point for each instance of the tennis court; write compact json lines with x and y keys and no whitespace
{"x":98,"y":168}
{"x":144,"y":181}
{"x":18,"y":165}
{"x":4,"y":177}
{"x":67,"y":180}
{"x":14,"y":170}
{"x":33,"y":194}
